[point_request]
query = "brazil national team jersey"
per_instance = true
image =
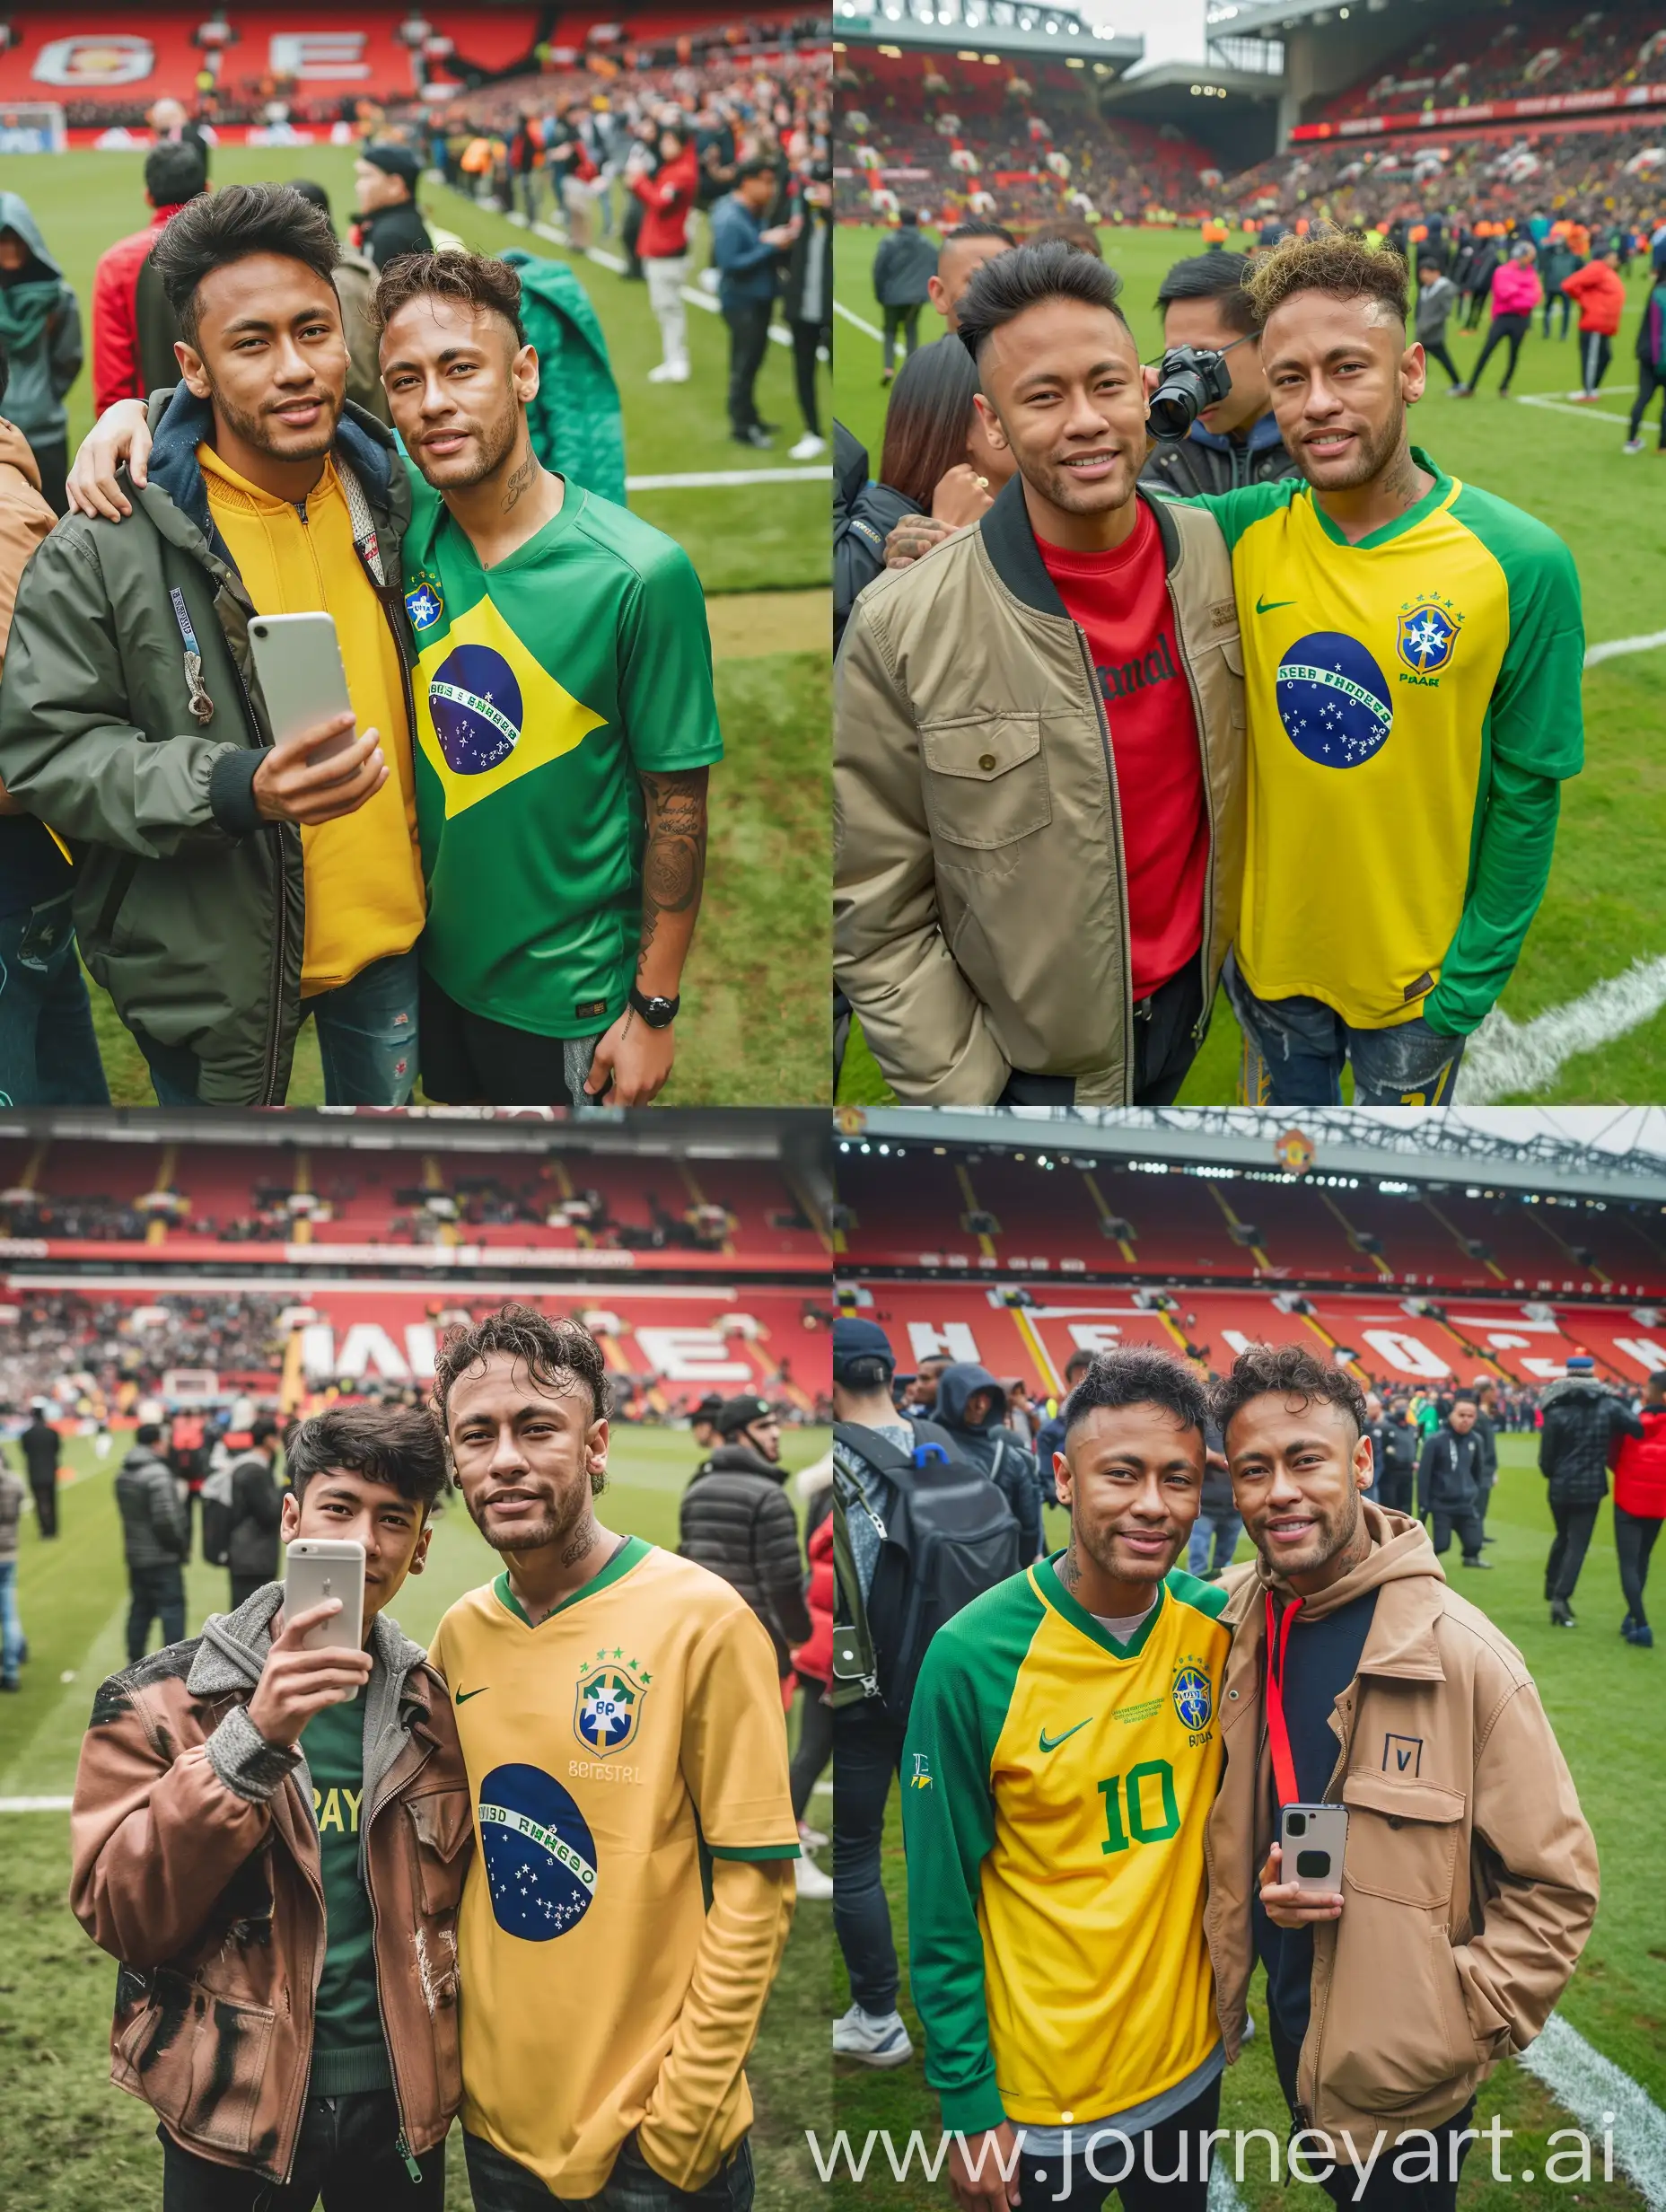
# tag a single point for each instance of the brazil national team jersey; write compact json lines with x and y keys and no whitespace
{"x":1414,"y":701}
{"x":545,"y":686}
{"x":639,"y":1720}
{"x":1055,"y":1789}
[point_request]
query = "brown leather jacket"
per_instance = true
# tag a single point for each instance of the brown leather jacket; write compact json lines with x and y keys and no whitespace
{"x":196,"y":1864}
{"x":1469,"y":1875}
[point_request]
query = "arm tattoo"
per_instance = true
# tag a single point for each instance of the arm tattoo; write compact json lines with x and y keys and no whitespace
{"x":673,"y":862}
{"x":520,"y":481}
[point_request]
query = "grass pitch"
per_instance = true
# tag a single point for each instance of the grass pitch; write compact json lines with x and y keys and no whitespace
{"x":762,"y":938}
{"x":1603,"y":909}
{"x":1603,"y":1698}
{"x":70,"y":2142}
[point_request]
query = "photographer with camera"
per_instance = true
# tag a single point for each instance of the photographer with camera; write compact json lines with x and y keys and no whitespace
{"x":1234,"y":437}
{"x":1358,"y":1678}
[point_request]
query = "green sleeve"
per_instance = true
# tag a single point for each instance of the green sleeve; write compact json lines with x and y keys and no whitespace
{"x":1512,"y":868}
{"x":1235,"y":510}
{"x":665,"y":667}
{"x":948,"y":1828}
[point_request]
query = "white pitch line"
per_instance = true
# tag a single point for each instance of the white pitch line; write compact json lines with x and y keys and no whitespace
{"x":1222,"y":2192}
{"x":692,"y":293}
{"x":1601,"y":2096}
{"x":1505,"y":1056}
{"x":866,"y":328}
{"x":707,"y":479}
{"x":1568,"y":407}
{"x":1617,"y":645}
{"x":36,"y":1804}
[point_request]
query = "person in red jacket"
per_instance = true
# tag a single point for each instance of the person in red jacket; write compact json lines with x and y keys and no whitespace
{"x":667,"y":194}
{"x":812,"y":1662}
{"x":1600,"y":291}
{"x":1639,"y":1506}
{"x":133,"y":327}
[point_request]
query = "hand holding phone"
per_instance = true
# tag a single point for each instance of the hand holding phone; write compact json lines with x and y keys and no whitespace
{"x":1301,"y":1883}
{"x":298,"y":1681}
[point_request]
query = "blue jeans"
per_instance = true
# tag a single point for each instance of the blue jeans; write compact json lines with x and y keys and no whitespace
{"x":48,"y":1053}
{"x":366,"y":1041}
{"x":867,"y":1749}
{"x":1295,"y":1049}
{"x":1224,"y":1528}
{"x":10,"y":1625}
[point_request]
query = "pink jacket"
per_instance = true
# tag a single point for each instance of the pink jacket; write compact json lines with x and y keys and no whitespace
{"x":1516,"y":288}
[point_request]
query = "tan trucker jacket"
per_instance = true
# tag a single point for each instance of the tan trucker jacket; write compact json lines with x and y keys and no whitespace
{"x":980,"y":897}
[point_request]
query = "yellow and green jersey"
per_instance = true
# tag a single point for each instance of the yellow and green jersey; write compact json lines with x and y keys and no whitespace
{"x":1414,"y":703}
{"x":1056,"y":1785}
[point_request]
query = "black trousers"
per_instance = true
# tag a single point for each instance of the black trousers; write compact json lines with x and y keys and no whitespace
{"x":1561,"y":299}
{"x":1633,"y":1540}
{"x":749,"y":342}
{"x":1436,"y":350}
{"x":46,"y":1505}
{"x":1468,"y":1525}
{"x":1649,"y":381}
{"x":1164,"y":1048}
{"x":1509,"y":329}
{"x":806,"y":337}
{"x":1385,"y":2192}
{"x":1170,"y":2149}
{"x":907,"y":319}
{"x":1394,"y":1490}
{"x":1567,"y":1553}
{"x":471,"y":1060}
{"x":156,"y":1594}
{"x":348,"y":2155}
{"x":244,"y":1586}
{"x":815,"y":1743}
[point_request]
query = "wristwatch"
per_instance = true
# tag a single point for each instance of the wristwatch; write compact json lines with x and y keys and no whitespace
{"x":657,"y":1012}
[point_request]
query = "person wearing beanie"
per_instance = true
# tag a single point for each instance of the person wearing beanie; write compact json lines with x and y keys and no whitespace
{"x":1583,"y":1419}
{"x":385,"y":177}
{"x":737,"y":1520}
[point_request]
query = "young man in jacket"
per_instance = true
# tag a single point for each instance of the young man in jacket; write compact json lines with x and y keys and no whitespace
{"x":1640,"y":1505}
{"x":272,"y":1841}
{"x":256,"y":1514}
{"x":228,"y":886}
{"x":1061,"y":683}
{"x":1449,"y":1482}
{"x":1582,"y":1420}
{"x":133,"y":330}
{"x":1237,"y":440}
{"x":737,"y":1520}
{"x":971,"y":1405}
{"x":1469,"y":1884}
{"x":620,"y":1719}
{"x":746,"y":257}
{"x":156,"y":1536}
{"x":903,"y":270}
{"x":1437,"y":295}
{"x":385,"y":177}
{"x":1401,"y":1447}
{"x":43,"y":1454}
{"x":1486,"y":1419}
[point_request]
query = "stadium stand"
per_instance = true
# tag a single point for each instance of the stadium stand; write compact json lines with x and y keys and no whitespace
{"x":1474,"y":58}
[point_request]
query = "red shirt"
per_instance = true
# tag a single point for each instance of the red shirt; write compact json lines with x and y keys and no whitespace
{"x":1121,"y":599}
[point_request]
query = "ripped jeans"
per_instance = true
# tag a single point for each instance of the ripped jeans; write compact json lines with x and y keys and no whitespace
{"x":1294,"y":1050}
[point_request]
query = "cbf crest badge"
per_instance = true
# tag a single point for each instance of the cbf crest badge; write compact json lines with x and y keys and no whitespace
{"x":424,"y":605}
{"x":1193,"y":1694}
{"x":1427,"y":634}
{"x":606,"y":1709}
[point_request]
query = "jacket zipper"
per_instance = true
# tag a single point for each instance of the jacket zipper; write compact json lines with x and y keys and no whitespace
{"x":1129,"y":1055}
{"x":1316,"y":2023}
{"x":403,"y":2144}
{"x":280,"y":946}
{"x":1200,"y":1027}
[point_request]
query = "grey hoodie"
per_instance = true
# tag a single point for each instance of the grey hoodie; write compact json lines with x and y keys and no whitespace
{"x":44,"y":371}
{"x":1435,"y":302}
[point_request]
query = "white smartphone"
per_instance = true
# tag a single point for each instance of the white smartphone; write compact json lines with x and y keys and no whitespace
{"x":1314,"y":1838}
{"x":298,"y":660}
{"x":320,"y":1568}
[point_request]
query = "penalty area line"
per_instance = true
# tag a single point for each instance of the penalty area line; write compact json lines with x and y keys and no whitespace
{"x":1602,"y":2097}
{"x":36,"y":1804}
{"x":1506,"y":1057}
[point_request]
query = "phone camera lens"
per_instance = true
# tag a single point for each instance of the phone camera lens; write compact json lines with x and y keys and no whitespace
{"x":1298,"y":1823}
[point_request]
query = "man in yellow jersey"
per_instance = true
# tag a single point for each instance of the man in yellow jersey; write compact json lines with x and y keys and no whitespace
{"x":1062,"y":1755}
{"x":1413,"y":654}
{"x":227,"y":887}
{"x":620,"y":1719}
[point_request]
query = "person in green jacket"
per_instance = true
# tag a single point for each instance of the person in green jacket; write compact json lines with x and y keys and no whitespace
{"x":41,"y":326}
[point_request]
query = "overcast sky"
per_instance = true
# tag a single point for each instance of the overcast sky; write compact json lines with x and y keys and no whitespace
{"x":1614,"y":1129}
{"x":1172,"y":30}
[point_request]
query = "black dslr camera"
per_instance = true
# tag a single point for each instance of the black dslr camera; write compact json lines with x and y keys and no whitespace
{"x":1192,"y":379}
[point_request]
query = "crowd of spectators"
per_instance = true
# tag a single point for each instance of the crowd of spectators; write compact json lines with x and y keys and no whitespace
{"x":1476,"y":57}
{"x":111,"y":1352}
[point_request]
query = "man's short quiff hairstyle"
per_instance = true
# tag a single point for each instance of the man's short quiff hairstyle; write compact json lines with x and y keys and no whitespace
{"x":1286,"y":1371}
{"x":217,"y":228}
{"x":1325,"y":260}
{"x":1008,"y":284}
{"x":1137,"y":1377}
{"x":556,"y":1351}
{"x":471,"y":280}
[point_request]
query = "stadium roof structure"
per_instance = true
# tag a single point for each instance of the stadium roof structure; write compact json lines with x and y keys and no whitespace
{"x":1008,"y":26}
{"x":1441,"y":1147}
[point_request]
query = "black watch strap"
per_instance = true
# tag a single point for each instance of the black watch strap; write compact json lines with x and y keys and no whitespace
{"x":657,"y":1012}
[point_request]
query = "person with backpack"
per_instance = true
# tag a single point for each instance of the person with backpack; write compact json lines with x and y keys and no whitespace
{"x":1640,"y":1504}
{"x":257,"y":1508}
{"x":1062,"y":1758}
{"x":918,"y":1532}
{"x":1651,"y":364}
{"x":156,"y":1538}
{"x":971,"y":1405}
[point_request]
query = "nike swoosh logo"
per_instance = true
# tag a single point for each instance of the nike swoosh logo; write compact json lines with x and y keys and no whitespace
{"x":1051,"y":1744}
{"x":463,"y":1696}
{"x":1267,"y":606}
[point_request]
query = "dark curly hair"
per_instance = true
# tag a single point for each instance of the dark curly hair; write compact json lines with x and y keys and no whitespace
{"x":472,"y":280}
{"x":556,"y":1351}
{"x":1137,"y":1377}
{"x":1286,"y":1371}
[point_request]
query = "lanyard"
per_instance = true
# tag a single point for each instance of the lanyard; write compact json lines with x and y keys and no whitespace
{"x":1277,"y":1734}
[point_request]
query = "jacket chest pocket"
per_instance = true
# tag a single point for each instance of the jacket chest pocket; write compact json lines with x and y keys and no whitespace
{"x":985,"y":779}
{"x":1402,"y":1839}
{"x":442,"y":1826}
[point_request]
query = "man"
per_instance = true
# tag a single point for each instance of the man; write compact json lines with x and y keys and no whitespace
{"x":1556,"y":264}
{"x":1056,"y":1884}
{"x":41,"y":326}
{"x":1583,"y":1418}
{"x":702,"y":1422}
{"x":1449,"y":1483}
{"x":272,"y":1840}
{"x":1401,"y":1447}
{"x":43,"y":1454}
{"x":1237,"y":440}
{"x":922,"y":1393}
{"x":1640,"y":1505}
{"x":156,"y":1536}
{"x":1469,"y":1877}
{"x":1650,"y":350}
{"x":1437,"y":295}
{"x":903,"y":270}
{"x":962,"y":253}
{"x":1050,"y":1435}
{"x":12,"y":1646}
{"x":567,"y":729}
{"x":385,"y":176}
{"x":230,"y":886}
{"x":1058,"y":685}
{"x":1486,"y":1422}
{"x":971,"y":1405}
{"x":1598,"y":291}
{"x":746,"y":257}
{"x":256,"y":1514}
{"x":1380,"y":595}
{"x":737,"y":1520}
{"x":134,"y":330}
{"x":620,"y":1716}
{"x":1516,"y":292}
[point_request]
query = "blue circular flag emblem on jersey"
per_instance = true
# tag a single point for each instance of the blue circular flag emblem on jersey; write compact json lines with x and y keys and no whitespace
{"x":541,"y":1859}
{"x":1333,"y":700}
{"x":1194,"y":1698}
{"x":476,"y":705}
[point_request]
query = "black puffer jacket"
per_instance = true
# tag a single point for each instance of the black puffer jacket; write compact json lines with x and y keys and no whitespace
{"x":1581,"y":1420}
{"x":256,"y":1510}
{"x":155,"y":1530}
{"x":737,"y":1520}
{"x":1448,"y":1474}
